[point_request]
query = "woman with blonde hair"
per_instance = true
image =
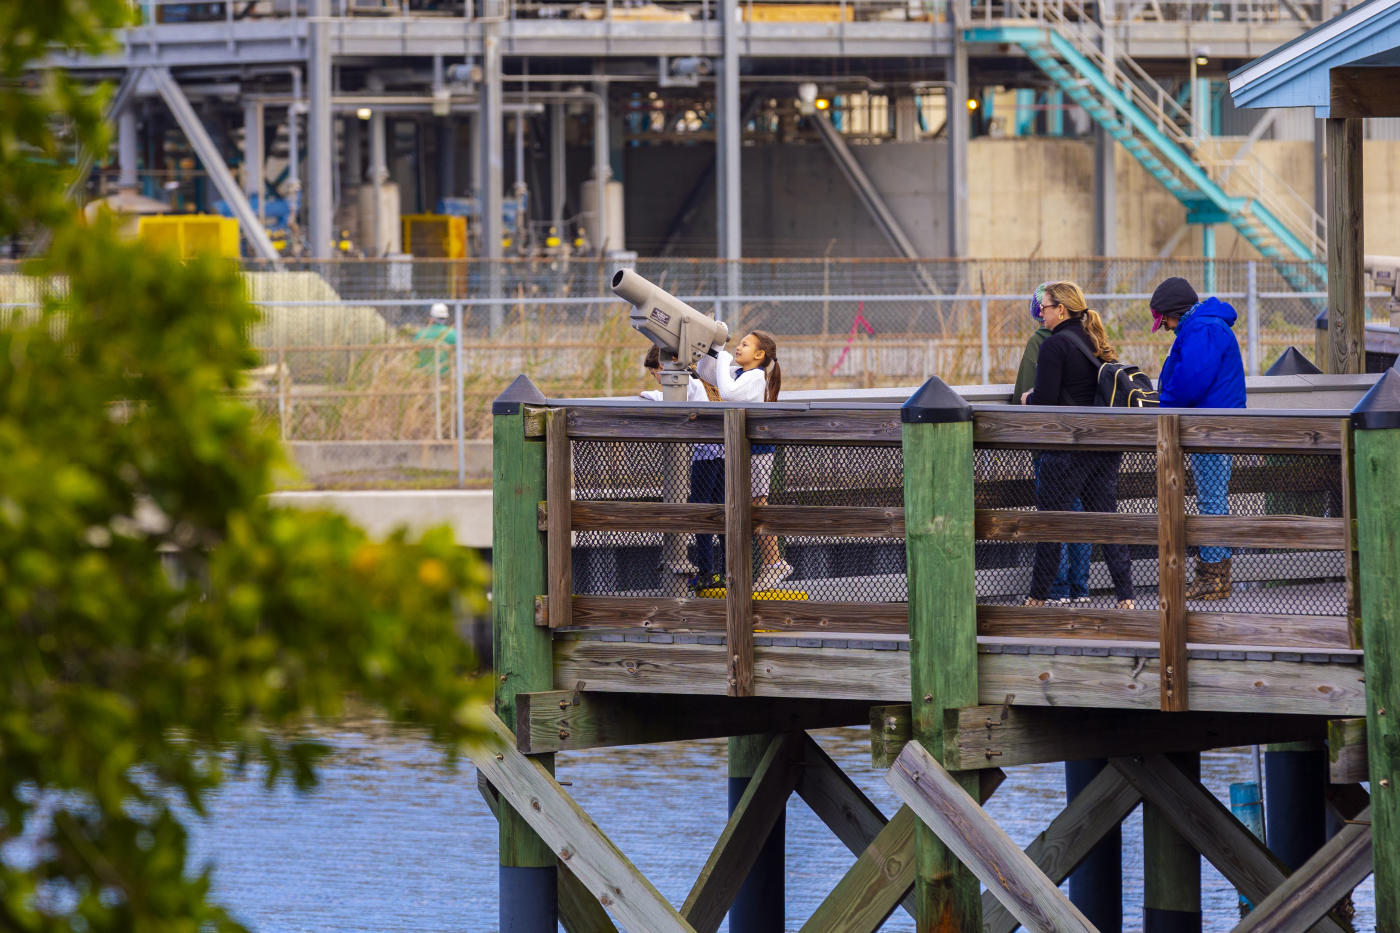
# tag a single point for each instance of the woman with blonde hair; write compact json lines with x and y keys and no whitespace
{"x":1066,"y":375}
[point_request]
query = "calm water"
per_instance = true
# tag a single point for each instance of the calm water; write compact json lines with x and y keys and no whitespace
{"x":393,"y":840}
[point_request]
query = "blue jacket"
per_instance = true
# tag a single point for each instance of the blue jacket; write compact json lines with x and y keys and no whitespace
{"x":1204,"y":368}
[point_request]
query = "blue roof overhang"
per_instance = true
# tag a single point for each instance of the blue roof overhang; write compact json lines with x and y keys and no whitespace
{"x":1298,"y":74}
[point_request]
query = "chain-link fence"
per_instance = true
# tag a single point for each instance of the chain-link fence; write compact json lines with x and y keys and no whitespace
{"x":351,"y":354}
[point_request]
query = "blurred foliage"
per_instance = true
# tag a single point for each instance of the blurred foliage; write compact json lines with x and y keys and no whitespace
{"x":159,"y":621}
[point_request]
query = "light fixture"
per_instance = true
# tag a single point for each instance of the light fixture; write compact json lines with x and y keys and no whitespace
{"x":364,"y":113}
{"x":821,"y":103}
{"x":1202,"y":60}
{"x":973,"y":103}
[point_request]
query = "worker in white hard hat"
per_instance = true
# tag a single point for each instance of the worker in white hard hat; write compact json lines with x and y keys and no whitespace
{"x":442,"y":335}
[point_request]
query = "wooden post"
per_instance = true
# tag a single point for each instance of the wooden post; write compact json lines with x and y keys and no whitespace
{"x":760,"y":904}
{"x":938,"y":516}
{"x":1171,"y":562}
{"x":1096,"y":886}
{"x":738,"y":553}
{"x":1376,"y":443}
{"x":528,"y":882}
{"x":1346,"y":301}
{"x":1295,"y":803}
{"x":1171,"y":899}
{"x":559,"y":475}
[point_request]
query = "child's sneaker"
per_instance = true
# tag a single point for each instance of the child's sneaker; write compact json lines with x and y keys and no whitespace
{"x":770,"y":575}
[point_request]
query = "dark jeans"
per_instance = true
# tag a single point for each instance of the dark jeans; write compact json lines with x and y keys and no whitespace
{"x":707,"y":485}
{"x":1091,"y":478}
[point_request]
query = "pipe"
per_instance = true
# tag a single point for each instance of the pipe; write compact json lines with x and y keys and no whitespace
{"x":378,"y":171}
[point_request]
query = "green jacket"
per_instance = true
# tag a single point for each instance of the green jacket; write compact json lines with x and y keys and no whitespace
{"x":1025,"y":373}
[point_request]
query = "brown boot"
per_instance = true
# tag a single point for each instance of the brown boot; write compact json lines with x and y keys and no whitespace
{"x":1212,"y":581}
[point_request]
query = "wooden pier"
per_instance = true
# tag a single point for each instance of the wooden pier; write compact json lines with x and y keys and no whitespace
{"x":910,"y":528}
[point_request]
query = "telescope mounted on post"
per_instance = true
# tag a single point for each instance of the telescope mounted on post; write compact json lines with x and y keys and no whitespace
{"x":677,"y":330}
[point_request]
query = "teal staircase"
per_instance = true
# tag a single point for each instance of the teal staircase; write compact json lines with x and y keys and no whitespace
{"x":1135,"y":110}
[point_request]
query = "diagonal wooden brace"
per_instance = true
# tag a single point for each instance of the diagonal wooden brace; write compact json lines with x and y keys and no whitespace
{"x":749,"y":825}
{"x":1318,"y":884}
{"x":1210,"y":829}
{"x":980,"y":844}
{"x":608,"y":875}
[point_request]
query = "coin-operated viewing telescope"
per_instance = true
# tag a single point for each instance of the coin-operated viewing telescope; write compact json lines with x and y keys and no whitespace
{"x":675,"y":327}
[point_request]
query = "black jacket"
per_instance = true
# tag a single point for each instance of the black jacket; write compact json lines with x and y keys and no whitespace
{"x":1064,"y":374}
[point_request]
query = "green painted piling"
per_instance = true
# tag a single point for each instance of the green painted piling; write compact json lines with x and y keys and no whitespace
{"x":939,"y":535}
{"x":1375,"y":424}
{"x":522,"y":653}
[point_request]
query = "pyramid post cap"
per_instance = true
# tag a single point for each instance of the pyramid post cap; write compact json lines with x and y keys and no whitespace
{"x":520,"y":392}
{"x":935,"y":403}
{"x":1292,"y":363}
{"x":1380,"y":407}
{"x":1320,"y":322}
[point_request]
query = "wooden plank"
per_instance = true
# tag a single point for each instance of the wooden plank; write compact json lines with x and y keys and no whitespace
{"x":1202,"y":628}
{"x":1067,"y":622}
{"x":829,"y":673}
{"x":1004,"y":737}
{"x":1241,"y":433}
{"x":1365,"y":91}
{"x":1347,"y":761}
{"x":1131,"y":682}
{"x":980,"y":844}
{"x":559,"y":491}
{"x":1045,"y":427}
{"x":648,"y":422}
{"x":1207,"y":826}
{"x":1096,"y":811}
{"x":738,"y":554}
{"x":603,"y":515}
{"x":737,"y":848}
{"x":829,"y":521}
{"x":878,"y":427}
{"x":571,"y":834}
{"x":1306,"y":896}
{"x":571,"y":720}
{"x":579,"y":910}
{"x":1101,"y":527}
{"x":873,"y":887}
{"x":710,"y":615}
{"x":1171,"y":563}
{"x":1267,"y":531}
{"x":1352,"y":567}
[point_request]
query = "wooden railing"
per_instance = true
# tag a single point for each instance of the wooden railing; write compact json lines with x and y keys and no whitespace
{"x":1170,"y":434}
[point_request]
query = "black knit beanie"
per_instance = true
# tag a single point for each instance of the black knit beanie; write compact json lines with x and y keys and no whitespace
{"x":1174,"y":296}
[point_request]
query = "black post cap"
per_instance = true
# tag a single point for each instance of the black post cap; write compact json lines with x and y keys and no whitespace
{"x":1380,"y":407}
{"x":1320,"y":322}
{"x":520,"y":392}
{"x":935,"y":403}
{"x":1292,"y":363}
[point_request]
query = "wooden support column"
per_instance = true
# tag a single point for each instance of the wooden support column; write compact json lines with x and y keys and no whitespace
{"x":939,"y":535}
{"x":559,"y":475}
{"x":1171,"y":562}
{"x":523,"y":661}
{"x":1171,"y":901}
{"x":760,"y":902}
{"x":1096,"y":886}
{"x":1346,"y":301}
{"x":738,"y":553}
{"x":1376,"y":442}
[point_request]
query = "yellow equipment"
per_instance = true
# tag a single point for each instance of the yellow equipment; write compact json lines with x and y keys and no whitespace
{"x":797,"y":13}
{"x":435,"y":236}
{"x":191,"y":234}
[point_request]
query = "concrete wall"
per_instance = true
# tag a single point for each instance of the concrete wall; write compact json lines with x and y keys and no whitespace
{"x":1029,"y":197}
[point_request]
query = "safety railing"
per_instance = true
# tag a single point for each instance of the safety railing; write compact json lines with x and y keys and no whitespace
{"x":634,"y":493}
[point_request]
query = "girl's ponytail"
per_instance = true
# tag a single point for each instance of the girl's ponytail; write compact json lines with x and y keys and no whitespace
{"x":1093,"y":326}
{"x":772,"y":372}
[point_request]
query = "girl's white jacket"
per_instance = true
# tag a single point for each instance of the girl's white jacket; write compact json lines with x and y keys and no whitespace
{"x":748,"y":385}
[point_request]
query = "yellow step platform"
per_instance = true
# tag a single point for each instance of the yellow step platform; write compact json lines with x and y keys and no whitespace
{"x":718,"y":592}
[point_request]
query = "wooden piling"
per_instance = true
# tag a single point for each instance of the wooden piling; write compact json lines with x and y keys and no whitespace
{"x":759,"y":905}
{"x":523,"y":659}
{"x":939,"y":528}
{"x":1376,"y":441}
{"x":1171,"y":867}
{"x":1295,"y":784}
{"x":1096,"y":886}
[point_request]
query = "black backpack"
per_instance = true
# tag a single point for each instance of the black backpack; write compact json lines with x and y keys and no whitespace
{"x":1121,"y":385}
